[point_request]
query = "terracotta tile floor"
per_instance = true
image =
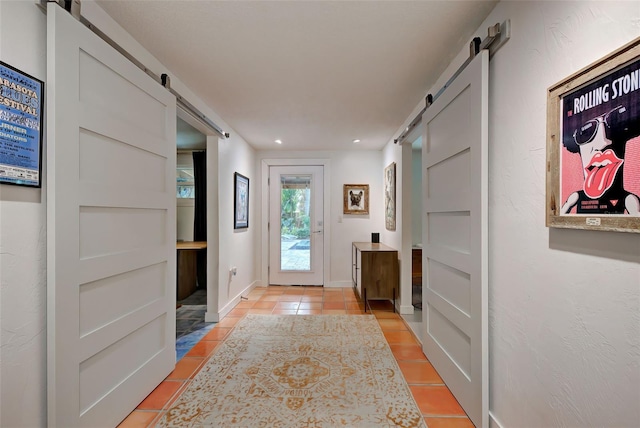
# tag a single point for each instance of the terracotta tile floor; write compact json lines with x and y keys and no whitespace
{"x":439,"y":408}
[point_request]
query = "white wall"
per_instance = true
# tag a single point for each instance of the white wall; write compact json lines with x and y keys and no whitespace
{"x":347,"y":167}
{"x":237,"y":246}
{"x":564,"y":305}
{"x":400,"y":238}
{"x":393,"y":238}
{"x":23,"y":247}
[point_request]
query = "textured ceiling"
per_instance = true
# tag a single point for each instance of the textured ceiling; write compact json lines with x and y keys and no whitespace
{"x":314,"y":74}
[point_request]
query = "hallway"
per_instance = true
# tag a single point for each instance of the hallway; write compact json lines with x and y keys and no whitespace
{"x":438,"y":406}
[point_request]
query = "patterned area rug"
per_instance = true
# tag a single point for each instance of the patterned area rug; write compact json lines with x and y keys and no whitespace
{"x":299,"y":371}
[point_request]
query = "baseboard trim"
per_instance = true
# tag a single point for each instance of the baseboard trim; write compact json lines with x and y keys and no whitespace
{"x":406,"y":309}
{"x":339,"y":284}
{"x":211,"y":317}
{"x":230,"y":305}
{"x":493,"y":422}
{"x":416,"y":333}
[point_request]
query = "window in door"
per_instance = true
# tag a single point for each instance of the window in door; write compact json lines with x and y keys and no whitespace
{"x":295,"y":199}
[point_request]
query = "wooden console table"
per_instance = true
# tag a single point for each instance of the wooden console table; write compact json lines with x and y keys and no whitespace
{"x":375,"y":272}
{"x":187,"y":267}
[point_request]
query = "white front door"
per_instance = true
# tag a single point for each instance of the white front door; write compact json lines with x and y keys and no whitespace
{"x":296,"y":225}
{"x":455,"y":188}
{"x":111,"y":229}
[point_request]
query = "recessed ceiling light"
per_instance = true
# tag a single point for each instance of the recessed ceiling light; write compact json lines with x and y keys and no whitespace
{"x":356,"y":141}
{"x":278,"y":141}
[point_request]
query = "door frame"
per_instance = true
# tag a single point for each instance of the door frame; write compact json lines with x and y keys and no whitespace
{"x":406,"y":180}
{"x":315,"y":275}
{"x":213,"y":225}
{"x":264,"y":232}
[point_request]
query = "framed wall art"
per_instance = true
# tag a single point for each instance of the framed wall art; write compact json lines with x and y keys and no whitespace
{"x":390,"y":196}
{"x":355,"y":199}
{"x":21,"y":106}
{"x":240,"y":201}
{"x":593,"y":145}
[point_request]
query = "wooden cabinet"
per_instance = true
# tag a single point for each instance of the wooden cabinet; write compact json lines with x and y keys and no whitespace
{"x":416,"y":266}
{"x":416,"y":278}
{"x":375,"y":271}
{"x":187,"y":267}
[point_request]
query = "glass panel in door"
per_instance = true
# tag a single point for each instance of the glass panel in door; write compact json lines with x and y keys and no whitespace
{"x":295,"y":243}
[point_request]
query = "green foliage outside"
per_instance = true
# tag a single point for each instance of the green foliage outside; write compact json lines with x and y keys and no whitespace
{"x":294,"y":219}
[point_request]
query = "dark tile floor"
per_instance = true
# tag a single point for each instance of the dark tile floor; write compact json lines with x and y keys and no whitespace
{"x":190,"y":324}
{"x":416,"y":296}
{"x":190,"y":318}
{"x":199,"y":297}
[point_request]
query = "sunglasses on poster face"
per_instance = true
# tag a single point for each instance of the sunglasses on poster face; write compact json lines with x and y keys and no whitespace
{"x":616,"y":122}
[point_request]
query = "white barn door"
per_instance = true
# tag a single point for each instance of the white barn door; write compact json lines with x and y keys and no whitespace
{"x":455,"y":187}
{"x":110,"y":229}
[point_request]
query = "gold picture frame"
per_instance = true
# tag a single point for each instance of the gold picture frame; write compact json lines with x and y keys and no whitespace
{"x":355,"y":199}
{"x":593,"y":146}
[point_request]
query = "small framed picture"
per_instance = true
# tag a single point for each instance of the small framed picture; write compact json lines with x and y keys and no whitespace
{"x":241,"y":201}
{"x":390,"y":196}
{"x":593,"y":145}
{"x":356,"y":199}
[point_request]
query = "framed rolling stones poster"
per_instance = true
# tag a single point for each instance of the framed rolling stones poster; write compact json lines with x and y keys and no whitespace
{"x":593,"y":145}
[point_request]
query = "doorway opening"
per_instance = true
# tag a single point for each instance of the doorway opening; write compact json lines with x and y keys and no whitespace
{"x":412,"y":283}
{"x":416,"y":224}
{"x":191,"y":286}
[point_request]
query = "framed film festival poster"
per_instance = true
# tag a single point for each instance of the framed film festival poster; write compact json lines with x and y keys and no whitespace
{"x":240,"y":201}
{"x":355,"y":199}
{"x":21,"y":105}
{"x":390,"y":196}
{"x":593,"y":146}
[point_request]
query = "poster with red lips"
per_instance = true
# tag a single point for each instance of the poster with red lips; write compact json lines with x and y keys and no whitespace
{"x":600,"y":146}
